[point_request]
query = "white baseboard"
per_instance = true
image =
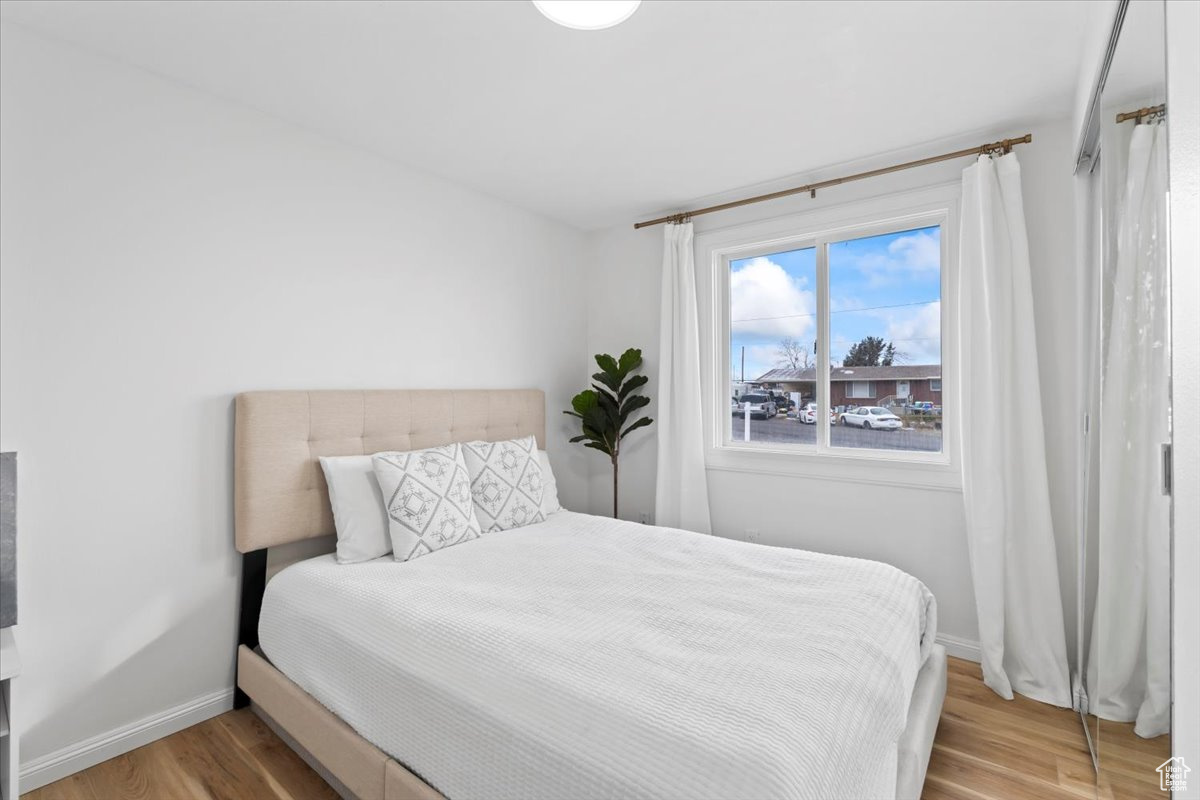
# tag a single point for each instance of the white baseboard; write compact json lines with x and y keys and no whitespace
{"x":81,"y":755}
{"x":959,"y":647}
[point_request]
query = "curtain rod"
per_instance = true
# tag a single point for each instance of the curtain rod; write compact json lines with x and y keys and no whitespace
{"x":1142,"y":113}
{"x":1002,"y":146}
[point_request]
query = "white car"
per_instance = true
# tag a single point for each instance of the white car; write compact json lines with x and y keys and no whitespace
{"x":808,"y":415}
{"x":872,"y":417}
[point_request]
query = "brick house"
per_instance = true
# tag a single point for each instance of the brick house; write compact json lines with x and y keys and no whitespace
{"x":864,"y":386}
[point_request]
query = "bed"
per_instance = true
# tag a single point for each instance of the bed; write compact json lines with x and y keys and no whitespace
{"x":577,"y":657}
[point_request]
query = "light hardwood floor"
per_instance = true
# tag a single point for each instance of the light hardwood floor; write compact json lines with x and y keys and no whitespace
{"x":1130,"y":762}
{"x":985,"y":748}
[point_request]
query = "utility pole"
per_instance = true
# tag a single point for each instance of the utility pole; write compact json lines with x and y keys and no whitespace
{"x":743,"y":363}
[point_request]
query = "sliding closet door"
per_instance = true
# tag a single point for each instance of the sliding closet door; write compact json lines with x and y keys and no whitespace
{"x":1127,"y":677}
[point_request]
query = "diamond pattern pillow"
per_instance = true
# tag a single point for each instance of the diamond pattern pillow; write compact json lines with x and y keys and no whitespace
{"x":427,"y":494}
{"x":506,"y":483}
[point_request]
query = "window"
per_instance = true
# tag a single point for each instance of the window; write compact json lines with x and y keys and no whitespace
{"x":861,"y":390}
{"x":773,"y":319}
{"x":885,"y":320}
{"x":839,"y":326}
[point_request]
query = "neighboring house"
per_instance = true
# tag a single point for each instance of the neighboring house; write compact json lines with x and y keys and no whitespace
{"x":864,"y":386}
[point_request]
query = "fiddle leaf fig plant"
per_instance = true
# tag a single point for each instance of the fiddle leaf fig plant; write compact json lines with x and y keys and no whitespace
{"x":605,"y":409}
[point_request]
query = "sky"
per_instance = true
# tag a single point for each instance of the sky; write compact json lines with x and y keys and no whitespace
{"x":887,"y":286}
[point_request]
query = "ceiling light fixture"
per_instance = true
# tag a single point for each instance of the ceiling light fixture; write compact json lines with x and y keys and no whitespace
{"x":587,"y":15}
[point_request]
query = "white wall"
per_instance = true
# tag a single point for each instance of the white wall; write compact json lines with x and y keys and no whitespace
{"x":164,"y":250}
{"x":1183,"y":129}
{"x":924,"y":529}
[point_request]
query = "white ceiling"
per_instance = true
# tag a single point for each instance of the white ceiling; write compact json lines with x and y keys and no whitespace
{"x":683,"y":101}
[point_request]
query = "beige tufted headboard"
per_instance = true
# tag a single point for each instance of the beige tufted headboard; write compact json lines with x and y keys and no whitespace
{"x":279,"y":489}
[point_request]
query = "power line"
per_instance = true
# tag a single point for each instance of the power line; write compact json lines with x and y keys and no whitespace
{"x":839,"y":311}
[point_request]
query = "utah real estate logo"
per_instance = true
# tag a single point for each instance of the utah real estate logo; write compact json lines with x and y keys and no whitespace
{"x":1172,"y":775}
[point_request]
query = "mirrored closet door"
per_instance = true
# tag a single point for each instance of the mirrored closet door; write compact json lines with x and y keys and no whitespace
{"x":1126,"y":674}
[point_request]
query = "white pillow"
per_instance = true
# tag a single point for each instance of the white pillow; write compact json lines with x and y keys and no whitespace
{"x":506,"y":483}
{"x":427,"y":495}
{"x":550,"y":503}
{"x":358,"y":512}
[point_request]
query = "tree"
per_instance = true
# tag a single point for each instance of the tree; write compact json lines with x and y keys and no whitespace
{"x":792,"y":354}
{"x":872,"y":351}
{"x":604,"y":410}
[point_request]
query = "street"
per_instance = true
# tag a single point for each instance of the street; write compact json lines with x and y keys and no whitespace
{"x":790,"y":431}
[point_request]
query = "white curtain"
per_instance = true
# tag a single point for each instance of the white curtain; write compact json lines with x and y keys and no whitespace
{"x":1010,"y":535}
{"x":1129,"y":666}
{"x":681,"y":497}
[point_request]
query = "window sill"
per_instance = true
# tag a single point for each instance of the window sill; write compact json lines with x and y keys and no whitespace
{"x":931,"y":473}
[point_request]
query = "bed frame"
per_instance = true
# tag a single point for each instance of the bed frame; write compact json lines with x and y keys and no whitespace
{"x":282,"y":511}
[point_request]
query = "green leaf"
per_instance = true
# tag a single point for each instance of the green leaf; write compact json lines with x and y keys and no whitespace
{"x":611,"y":381}
{"x":608,"y":404}
{"x":592,"y":433}
{"x":630,"y":360}
{"x":597,"y":421}
{"x":604,"y":390}
{"x":584,"y":402}
{"x":603,"y":448}
{"x":632,"y":385}
{"x":641,"y":423}
{"x":632,"y":404}
{"x":578,"y":438}
{"x":608,"y":364}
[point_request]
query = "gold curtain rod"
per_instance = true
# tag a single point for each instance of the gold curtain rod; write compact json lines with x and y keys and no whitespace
{"x":1002,"y":146}
{"x":1142,"y":113}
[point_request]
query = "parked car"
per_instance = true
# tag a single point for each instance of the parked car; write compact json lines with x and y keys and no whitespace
{"x":872,"y":417}
{"x":808,"y":415}
{"x":782,"y":401}
{"x":761,"y":405}
{"x":924,"y":408}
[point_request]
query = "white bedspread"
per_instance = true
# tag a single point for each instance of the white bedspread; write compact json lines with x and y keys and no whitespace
{"x":586,"y":658}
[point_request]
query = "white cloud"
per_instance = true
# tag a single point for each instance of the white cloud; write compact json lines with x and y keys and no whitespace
{"x":918,"y":333}
{"x":919,"y":252}
{"x":766,"y":301}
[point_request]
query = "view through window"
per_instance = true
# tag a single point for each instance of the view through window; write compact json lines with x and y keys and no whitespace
{"x":884,"y":350}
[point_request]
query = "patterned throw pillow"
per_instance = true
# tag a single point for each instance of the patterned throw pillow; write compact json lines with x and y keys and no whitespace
{"x":428,"y":498}
{"x":506,"y":483}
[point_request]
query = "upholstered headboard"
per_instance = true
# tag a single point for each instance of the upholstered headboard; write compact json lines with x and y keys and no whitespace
{"x":279,"y":489}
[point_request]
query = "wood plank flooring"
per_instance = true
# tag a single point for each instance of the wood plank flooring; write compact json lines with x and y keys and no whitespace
{"x":1130,"y":762}
{"x":986,"y":748}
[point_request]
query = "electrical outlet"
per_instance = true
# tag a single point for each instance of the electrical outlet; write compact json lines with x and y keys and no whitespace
{"x":751,"y":534}
{"x":644,"y":518}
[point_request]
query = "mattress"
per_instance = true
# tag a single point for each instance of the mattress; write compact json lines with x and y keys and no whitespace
{"x":585,"y":657}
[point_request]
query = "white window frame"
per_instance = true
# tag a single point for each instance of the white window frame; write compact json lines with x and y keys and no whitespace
{"x":938,"y":381}
{"x":716,"y":248}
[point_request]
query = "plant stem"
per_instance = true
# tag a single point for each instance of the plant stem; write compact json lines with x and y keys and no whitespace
{"x":614,"y":463}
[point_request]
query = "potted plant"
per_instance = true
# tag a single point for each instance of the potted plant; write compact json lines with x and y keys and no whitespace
{"x":605,"y":409}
